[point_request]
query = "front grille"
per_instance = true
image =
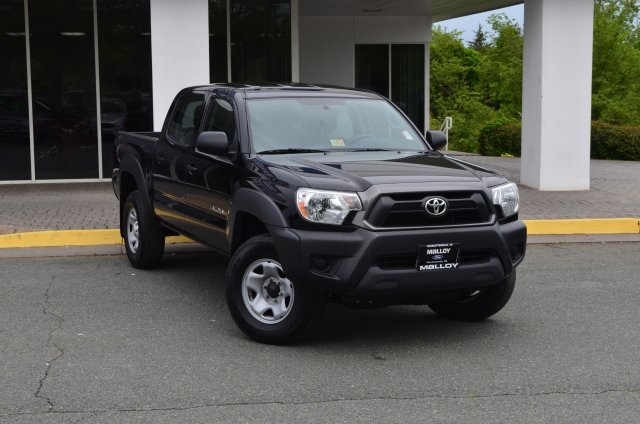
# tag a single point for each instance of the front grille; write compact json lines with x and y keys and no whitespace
{"x":408,"y":210}
{"x":408,"y":261}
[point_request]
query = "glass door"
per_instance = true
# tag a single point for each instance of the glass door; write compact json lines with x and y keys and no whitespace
{"x":396,"y":71}
{"x":372,"y":68}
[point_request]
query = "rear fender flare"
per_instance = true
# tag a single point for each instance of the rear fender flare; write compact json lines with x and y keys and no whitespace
{"x":131,"y":165}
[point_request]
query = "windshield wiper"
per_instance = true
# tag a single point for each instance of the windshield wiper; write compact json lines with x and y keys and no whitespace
{"x":372,"y":149}
{"x":290,"y":150}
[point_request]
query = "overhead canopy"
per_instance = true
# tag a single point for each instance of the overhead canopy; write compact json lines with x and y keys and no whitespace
{"x":439,"y":10}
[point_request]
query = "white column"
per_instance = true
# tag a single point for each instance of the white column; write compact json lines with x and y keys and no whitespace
{"x":179,"y":50}
{"x":556,"y":100}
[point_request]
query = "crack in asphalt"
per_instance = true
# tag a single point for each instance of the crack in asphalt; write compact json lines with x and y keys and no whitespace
{"x":634,"y":390}
{"x":46,"y":305}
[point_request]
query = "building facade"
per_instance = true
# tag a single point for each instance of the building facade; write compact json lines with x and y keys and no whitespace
{"x":75,"y":72}
{"x":87,"y":69}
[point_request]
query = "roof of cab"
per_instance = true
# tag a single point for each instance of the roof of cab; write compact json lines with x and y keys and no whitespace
{"x":264,"y":90}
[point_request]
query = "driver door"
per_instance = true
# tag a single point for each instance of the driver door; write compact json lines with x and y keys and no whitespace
{"x":209,"y":179}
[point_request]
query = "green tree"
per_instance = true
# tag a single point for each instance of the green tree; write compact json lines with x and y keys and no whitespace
{"x":480,"y":41}
{"x":454,"y":83}
{"x":500,"y":72}
{"x":616,"y":62}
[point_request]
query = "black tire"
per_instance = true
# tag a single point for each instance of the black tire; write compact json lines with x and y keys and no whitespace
{"x":267,"y":306}
{"x":478,"y":304}
{"x":143,"y":235}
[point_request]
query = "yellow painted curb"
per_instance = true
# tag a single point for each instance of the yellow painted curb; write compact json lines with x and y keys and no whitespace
{"x":69,"y":238}
{"x":583,"y":226}
{"x":111,"y":237}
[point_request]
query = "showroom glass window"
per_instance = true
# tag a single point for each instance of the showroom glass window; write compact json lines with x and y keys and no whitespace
{"x":218,"y":40}
{"x":64,"y":83}
{"x":15,"y":161}
{"x":124,"y":47}
{"x":260,"y":40}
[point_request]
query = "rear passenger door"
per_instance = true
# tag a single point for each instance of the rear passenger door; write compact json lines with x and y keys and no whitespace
{"x":171,"y":158}
{"x":209,"y":180}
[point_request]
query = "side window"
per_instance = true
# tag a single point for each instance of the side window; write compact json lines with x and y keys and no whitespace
{"x":221,"y":118}
{"x":185,"y":121}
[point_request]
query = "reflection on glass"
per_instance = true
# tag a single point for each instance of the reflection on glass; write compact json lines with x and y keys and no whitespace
{"x":372,"y":68}
{"x":64,"y":87}
{"x":124,"y":43}
{"x":407,"y":84}
{"x":218,"y":40}
{"x":14,"y":109}
{"x":261,"y":40}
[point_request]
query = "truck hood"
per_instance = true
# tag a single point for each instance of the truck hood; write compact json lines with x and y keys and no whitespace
{"x":357,"y":171}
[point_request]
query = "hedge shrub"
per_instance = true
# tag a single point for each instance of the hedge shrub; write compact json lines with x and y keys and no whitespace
{"x":614,"y":142}
{"x":499,"y":137}
{"x":608,"y":141}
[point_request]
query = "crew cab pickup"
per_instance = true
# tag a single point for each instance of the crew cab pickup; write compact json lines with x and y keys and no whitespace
{"x":318,"y":194}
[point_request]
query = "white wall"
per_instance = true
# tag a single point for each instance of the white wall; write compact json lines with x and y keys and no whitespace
{"x":179,"y":50}
{"x":392,"y":29}
{"x":327,"y":52}
{"x":556,"y":100}
{"x":327,"y":43}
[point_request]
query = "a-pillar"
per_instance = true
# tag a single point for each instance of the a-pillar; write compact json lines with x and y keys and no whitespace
{"x":179,"y":50}
{"x":556,"y":100}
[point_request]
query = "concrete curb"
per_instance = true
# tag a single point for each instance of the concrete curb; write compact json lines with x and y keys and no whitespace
{"x":106,"y":237}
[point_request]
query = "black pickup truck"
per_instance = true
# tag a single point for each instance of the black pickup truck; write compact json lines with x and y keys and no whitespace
{"x":318,"y":194}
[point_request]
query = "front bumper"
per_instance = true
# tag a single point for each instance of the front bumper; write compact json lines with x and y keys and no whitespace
{"x":373,"y":263}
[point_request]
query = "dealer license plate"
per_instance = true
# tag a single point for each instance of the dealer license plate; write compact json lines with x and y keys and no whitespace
{"x":438,"y":256}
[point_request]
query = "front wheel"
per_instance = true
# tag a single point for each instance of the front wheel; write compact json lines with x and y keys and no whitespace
{"x":143,"y":235}
{"x":477,"y":304}
{"x":265,"y":304}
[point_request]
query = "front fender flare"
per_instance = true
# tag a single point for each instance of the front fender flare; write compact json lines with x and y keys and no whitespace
{"x":267,"y":211}
{"x":257,"y":204}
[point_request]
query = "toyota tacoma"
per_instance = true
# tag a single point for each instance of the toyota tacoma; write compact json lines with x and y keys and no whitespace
{"x":318,"y":194}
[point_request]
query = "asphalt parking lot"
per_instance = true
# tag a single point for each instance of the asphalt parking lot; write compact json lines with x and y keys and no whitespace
{"x":91,"y":339}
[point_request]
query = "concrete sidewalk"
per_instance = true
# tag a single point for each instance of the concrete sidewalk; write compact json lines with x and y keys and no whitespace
{"x":611,"y":206}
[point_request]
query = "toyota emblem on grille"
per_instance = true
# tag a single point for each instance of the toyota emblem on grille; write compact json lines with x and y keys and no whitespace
{"x":435,"y":206}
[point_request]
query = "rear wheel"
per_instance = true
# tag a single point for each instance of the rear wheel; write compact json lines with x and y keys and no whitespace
{"x":478,"y":304}
{"x":143,"y":235}
{"x":265,"y":304}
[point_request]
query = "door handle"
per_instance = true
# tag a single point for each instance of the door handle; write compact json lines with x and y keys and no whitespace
{"x":191,"y":169}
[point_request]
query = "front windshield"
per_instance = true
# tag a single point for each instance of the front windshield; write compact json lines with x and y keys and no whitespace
{"x":329,"y":124}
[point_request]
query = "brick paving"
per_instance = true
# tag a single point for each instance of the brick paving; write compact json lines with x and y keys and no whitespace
{"x":33,"y":207}
{"x":614,"y":191}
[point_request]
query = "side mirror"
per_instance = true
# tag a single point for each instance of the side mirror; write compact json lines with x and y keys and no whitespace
{"x":213,"y":143}
{"x":437,"y":139}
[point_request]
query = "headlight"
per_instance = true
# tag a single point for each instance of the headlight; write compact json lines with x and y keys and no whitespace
{"x":506,"y":196}
{"x":326,"y":207}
